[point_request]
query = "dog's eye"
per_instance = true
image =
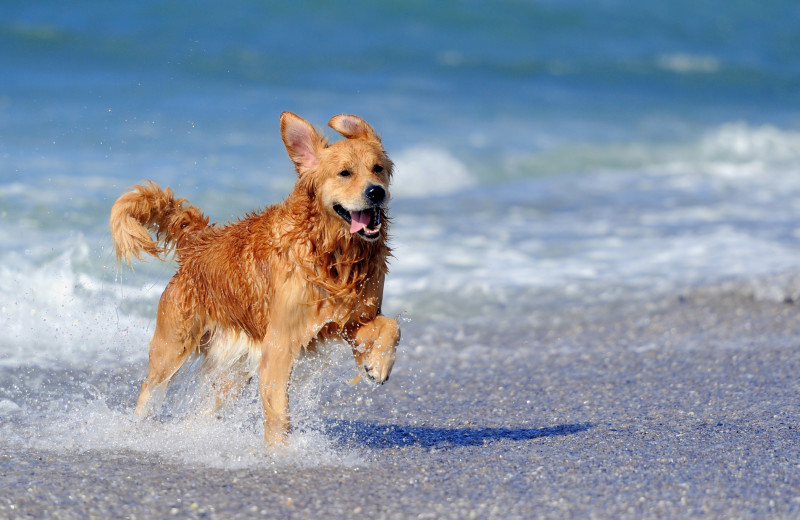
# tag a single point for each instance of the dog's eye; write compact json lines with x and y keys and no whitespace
{"x":344,"y":173}
{"x":377,"y":168}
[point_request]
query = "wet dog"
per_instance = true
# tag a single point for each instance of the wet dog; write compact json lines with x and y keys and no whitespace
{"x":253,"y":295}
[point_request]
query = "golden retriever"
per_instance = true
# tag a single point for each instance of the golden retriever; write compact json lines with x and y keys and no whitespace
{"x":252,"y":295}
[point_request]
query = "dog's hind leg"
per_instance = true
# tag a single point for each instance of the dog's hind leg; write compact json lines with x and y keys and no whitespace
{"x":174,"y":339}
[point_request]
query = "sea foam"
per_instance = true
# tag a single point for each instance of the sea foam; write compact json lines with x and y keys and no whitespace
{"x":53,"y":312}
{"x":85,"y":414}
{"x":425,"y":171}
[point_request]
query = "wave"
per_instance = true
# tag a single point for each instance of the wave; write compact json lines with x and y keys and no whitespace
{"x":728,"y":150}
{"x":426,"y":171}
{"x":639,"y":213}
{"x":688,"y":63}
{"x":56,"y":312}
{"x":731,"y":149}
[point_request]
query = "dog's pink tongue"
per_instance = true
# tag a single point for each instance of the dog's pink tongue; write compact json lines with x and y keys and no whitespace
{"x":359,"y":220}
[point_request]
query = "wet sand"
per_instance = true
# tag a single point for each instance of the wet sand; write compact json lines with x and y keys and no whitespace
{"x":687,"y":407}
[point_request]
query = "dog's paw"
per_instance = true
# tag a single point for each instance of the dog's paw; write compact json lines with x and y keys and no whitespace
{"x":378,"y":372}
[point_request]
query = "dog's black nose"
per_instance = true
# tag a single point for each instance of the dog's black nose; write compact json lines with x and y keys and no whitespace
{"x":376,"y":194}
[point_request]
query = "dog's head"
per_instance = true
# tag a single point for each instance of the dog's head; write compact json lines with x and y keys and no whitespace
{"x":349,"y":178}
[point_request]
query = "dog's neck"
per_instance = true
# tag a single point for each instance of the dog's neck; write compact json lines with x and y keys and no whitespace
{"x":342,"y":262}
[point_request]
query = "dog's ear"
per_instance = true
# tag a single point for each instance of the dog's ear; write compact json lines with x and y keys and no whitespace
{"x":302,"y":142}
{"x":353,"y":127}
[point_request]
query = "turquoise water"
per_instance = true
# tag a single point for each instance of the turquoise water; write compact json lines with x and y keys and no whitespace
{"x":550,"y":155}
{"x":542,"y":147}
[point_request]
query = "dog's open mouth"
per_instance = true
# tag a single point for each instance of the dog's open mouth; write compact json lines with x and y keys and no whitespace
{"x":366,"y":223}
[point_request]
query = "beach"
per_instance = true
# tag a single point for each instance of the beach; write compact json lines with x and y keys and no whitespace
{"x":685,"y":409}
{"x":595,"y":257}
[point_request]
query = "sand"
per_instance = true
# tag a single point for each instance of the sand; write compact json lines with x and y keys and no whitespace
{"x":687,"y":407}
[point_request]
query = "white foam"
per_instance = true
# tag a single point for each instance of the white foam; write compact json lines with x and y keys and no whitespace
{"x":8,"y":407}
{"x":183,"y":432}
{"x":193,"y":439}
{"x":741,"y":142}
{"x":52,"y":312}
{"x":425,"y":171}
{"x":676,"y":259}
{"x":734,"y":149}
{"x":697,"y":229}
{"x":687,"y":63}
{"x":233,"y":441}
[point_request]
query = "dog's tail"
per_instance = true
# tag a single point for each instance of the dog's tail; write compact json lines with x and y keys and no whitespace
{"x":148,"y":208}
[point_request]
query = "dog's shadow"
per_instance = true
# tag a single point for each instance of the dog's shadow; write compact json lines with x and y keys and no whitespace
{"x":396,"y":436}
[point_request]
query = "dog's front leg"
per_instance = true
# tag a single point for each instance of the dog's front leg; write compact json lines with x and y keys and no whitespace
{"x":374,"y":345}
{"x":274,"y":371}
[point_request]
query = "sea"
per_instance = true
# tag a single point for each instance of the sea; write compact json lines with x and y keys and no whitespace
{"x":554,"y":159}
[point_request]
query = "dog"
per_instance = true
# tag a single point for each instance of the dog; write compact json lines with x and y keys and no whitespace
{"x":253,"y":295}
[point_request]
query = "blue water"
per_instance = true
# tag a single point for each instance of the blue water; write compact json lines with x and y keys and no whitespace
{"x":550,"y":154}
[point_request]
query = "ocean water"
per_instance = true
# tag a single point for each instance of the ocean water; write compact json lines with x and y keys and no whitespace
{"x":553,"y":158}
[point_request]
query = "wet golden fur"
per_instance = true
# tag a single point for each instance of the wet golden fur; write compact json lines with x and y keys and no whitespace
{"x":259,"y":291}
